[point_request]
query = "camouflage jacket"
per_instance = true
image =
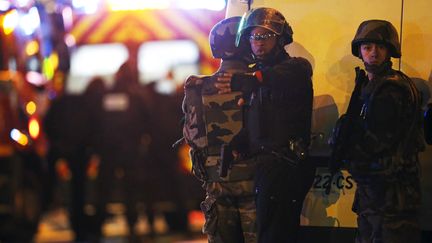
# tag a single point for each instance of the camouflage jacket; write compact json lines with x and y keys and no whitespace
{"x":388,"y":132}
{"x":212,"y":120}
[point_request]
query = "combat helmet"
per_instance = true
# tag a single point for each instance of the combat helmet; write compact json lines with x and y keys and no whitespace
{"x":377,"y":31}
{"x":268,"y":18}
{"x":222,"y":39}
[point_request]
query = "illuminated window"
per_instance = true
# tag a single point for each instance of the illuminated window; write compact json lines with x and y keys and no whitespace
{"x":88,"y":61}
{"x":162,"y":60}
{"x":157,"y":61}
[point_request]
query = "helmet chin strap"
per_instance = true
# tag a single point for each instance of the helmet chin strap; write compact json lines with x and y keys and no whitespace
{"x":378,"y":69}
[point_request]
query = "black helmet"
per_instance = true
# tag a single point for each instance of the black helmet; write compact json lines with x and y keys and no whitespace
{"x":268,"y":18}
{"x":377,"y":31}
{"x":222,"y":39}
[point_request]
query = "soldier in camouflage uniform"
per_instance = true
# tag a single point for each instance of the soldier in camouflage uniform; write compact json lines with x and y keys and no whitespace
{"x":278,"y":104}
{"x":212,"y":120}
{"x":386,"y":136}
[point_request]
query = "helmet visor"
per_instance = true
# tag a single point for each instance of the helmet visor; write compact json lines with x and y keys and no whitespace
{"x":242,"y":25}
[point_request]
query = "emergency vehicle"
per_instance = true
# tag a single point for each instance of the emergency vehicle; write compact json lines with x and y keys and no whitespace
{"x":323,"y":31}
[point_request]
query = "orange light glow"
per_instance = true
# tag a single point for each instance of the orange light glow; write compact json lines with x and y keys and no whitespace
{"x":196,"y":220}
{"x":31,"y":108}
{"x":54,"y":58}
{"x":184,"y":158}
{"x":93,"y":167}
{"x":63,"y":170}
{"x":34,"y":128}
{"x":32,"y":48}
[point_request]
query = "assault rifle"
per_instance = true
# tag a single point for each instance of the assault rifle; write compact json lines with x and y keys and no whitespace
{"x":344,"y":128}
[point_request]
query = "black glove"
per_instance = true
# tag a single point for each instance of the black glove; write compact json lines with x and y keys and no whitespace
{"x":244,"y":82}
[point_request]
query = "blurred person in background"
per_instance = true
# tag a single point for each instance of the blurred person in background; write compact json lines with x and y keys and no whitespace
{"x":177,"y":189}
{"x":122,"y":125}
{"x":69,"y":126}
{"x":93,"y":99}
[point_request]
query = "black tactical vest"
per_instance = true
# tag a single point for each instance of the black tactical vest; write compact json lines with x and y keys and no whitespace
{"x":281,"y":107}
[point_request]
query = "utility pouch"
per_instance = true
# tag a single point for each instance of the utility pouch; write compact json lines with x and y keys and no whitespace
{"x":208,"y":207}
{"x":198,"y":158}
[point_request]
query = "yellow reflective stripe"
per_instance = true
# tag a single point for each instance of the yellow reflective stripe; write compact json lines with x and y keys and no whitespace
{"x":153,"y":22}
{"x":189,"y":29}
{"x":84,"y":25}
{"x":100,"y":33}
{"x":129,"y":31}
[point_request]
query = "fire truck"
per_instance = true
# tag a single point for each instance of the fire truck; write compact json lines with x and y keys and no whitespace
{"x":28,"y":61}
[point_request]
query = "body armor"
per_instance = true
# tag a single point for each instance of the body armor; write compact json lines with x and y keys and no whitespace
{"x":388,"y":125}
{"x":212,"y":119}
{"x":211,"y":122}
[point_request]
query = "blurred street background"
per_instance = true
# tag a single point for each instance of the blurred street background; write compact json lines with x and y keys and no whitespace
{"x":91,"y":104}
{"x":54,"y":227}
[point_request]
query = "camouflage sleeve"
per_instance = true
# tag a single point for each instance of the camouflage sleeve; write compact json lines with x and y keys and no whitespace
{"x":193,"y":81}
{"x":208,"y":85}
{"x":204,"y":82}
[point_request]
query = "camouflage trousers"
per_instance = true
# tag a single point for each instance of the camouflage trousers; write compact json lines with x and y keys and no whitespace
{"x":387,"y":211}
{"x":230,"y":212}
